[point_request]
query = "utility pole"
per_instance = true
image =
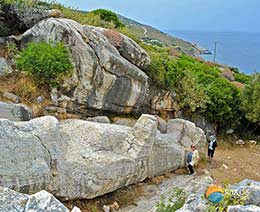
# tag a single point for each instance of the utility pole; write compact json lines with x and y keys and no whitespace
{"x":215,"y":52}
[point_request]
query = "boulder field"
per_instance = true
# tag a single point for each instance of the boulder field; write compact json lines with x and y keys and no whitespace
{"x":76,"y":159}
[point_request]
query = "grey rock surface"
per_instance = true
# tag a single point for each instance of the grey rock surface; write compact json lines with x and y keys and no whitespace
{"x":197,"y":202}
{"x":4,"y":67}
{"x":162,"y":124}
{"x":202,"y":123}
{"x":103,"y":79}
{"x":124,"y":121}
{"x":15,"y":112}
{"x":40,"y":99}
{"x":11,"y":97}
{"x":41,"y":154}
{"x":100,"y":119}
{"x":252,"y":187}
{"x":192,"y":186}
{"x":12,"y":201}
{"x":240,"y":208}
{"x":128,"y":48}
{"x":16,"y":17}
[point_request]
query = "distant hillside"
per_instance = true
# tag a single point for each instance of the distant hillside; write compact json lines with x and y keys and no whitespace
{"x":154,"y":36}
{"x":151,"y":35}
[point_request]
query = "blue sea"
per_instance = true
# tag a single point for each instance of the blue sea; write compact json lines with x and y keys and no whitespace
{"x":236,"y":49}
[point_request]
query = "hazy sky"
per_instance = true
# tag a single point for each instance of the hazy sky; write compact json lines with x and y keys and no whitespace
{"x":213,"y":15}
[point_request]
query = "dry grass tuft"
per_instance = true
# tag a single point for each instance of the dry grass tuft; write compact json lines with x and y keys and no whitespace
{"x":25,"y":87}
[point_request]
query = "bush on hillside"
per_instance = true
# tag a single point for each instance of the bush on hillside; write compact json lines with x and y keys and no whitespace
{"x":198,"y":87}
{"x":48,"y":63}
{"x":251,"y":99}
{"x":191,"y":95}
{"x":240,"y":77}
{"x":108,"y":16}
{"x":100,"y":18}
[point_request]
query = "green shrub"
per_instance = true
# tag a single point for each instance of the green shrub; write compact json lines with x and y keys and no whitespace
{"x":192,"y":95}
{"x":27,"y":3}
{"x":251,"y":99}
{"x":240,"y":77}
{"x":175,"y":202}
{"x":108,"y":16}
{"x":198,"y":86}
{"x":48,"y":63}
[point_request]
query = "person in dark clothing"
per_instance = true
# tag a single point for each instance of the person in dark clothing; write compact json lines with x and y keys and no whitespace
{"x":212,"y":144}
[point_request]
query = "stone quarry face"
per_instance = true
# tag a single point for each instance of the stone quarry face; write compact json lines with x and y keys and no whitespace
{"x":105,"y":78}
{"x":77,"y":159}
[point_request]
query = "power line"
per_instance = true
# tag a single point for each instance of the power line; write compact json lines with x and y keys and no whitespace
{"x":215,"y":52}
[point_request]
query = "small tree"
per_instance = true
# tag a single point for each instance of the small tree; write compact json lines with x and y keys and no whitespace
{"x":192,"y":95}
{"x":108,"y":16}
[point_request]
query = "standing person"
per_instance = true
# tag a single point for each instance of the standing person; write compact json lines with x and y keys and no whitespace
{"x":212,"y":144}
{"x":193,"y":158}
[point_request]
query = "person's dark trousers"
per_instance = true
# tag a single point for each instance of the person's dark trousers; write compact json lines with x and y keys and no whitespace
{"x":191,"y":169}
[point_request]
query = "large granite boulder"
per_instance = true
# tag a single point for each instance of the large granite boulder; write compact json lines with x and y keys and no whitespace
{"x":103,"y":79}
{"x":76,"y":159}
{"x":15,"y":112}
{"x":11,"y":201}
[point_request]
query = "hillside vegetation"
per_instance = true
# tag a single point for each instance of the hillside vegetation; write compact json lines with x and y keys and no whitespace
{"x":211,"y":89}
{"x":153,"y":36}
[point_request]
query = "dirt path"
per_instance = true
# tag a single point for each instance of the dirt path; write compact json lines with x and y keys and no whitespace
{"x":233,"y":164}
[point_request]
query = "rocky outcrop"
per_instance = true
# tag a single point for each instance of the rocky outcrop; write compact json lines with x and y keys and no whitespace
{"x":76,"y":159}
{"x":100,"y":119}
{"x":103,"y":79}
{"x":11,"y":97}
{"x":253,"y":189}
{"x":201,"y":122}
{"x":11,"y":201}
{"x":190,"y":185}
{"x":15,"y":112}
{"x":127,"y":48}
{"x":241,"y":208}
{"x":194,"y":189}
{"x":196,"y":202}
{"x":5,"y":68}
{"x":124,"y":121}
{"x":17,"y":17}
